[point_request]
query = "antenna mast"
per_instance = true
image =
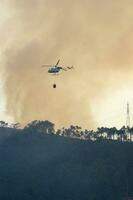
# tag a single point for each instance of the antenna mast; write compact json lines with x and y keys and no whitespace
{"x":128,"y":116}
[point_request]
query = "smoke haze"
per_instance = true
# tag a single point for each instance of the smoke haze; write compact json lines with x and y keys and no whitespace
{"x":94,"y":36}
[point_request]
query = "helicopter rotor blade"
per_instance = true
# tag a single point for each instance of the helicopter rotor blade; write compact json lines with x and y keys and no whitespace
{"x":57,"y":62}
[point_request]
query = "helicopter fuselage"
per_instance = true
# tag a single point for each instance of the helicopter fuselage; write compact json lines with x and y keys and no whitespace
{"x":54,"y":70}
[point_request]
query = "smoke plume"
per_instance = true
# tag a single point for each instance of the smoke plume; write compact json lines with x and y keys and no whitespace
{"x":94,"y":36}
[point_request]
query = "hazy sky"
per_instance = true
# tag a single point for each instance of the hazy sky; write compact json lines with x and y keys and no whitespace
{"x":94,"y":36}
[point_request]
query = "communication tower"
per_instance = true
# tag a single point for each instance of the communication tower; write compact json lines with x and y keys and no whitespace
{"x":128,"y":116}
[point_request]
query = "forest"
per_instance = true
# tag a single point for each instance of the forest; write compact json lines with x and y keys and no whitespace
{"x":47,"y":127}
{"x":39,"y":162}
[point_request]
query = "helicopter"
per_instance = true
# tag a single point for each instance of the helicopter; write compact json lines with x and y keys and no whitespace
{"x":55,"y":69}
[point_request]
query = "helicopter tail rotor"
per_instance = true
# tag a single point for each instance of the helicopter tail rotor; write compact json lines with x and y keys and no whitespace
{"x":72,"y":67}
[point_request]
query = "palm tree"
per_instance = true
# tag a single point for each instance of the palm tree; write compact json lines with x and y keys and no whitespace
{"x":111,"y":132}
{"x":130,"y":133}
{"x":121,"y":134}
{"x":99,"y":133}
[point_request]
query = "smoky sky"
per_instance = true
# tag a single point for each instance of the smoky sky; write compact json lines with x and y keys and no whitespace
{"x":94,"y":36}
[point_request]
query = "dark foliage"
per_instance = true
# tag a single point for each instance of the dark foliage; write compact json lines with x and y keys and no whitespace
{"x":36,"y":164}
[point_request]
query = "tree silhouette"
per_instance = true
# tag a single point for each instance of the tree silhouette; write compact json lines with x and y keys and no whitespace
{"x":41,"y":126}
{"x":3,"y":124}
{"x":130,"y":133}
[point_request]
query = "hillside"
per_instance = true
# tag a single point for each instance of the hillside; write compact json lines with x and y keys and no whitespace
{"x":36,"y":166}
